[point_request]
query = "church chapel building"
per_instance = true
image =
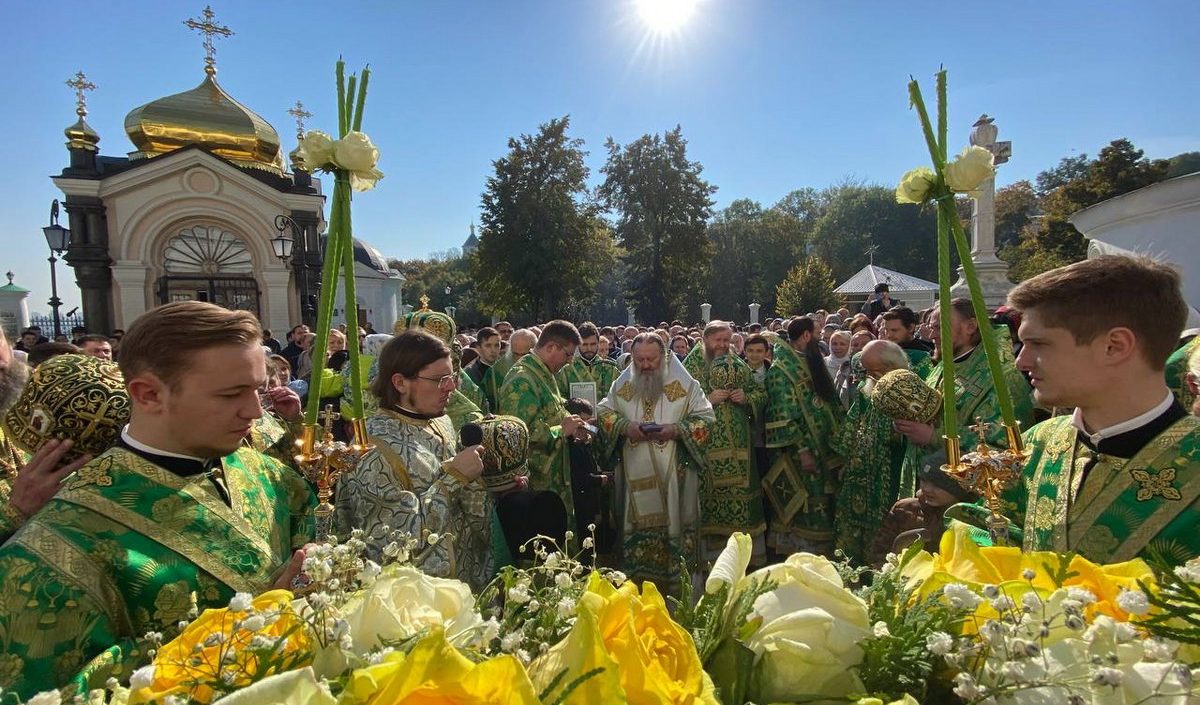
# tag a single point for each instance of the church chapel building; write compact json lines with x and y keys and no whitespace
{"x":190,"y":214}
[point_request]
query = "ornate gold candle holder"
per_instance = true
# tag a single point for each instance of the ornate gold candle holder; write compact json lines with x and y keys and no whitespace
{"x":324,"y":461}
{"x":988,"y":472}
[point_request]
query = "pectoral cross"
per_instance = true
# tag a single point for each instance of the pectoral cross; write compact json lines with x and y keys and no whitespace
{"x":81,"y":85}
{"x":300,"y":114}
{"x":209,"y":29}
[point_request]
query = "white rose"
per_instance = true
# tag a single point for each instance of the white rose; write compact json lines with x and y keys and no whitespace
{"x":316,"y":150}
{"x":970,"y":168}
{"x":403,"y":601}
{"x":811,"y":628}
{"x":354,"y":152}
{"x":299,"y":687}
{"x":915,"y":185}
{"x":365,"y":180}
{"x":49,"y":697}
{"x":730,"y":567}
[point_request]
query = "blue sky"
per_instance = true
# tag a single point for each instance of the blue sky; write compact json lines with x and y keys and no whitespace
{"x":772,"y":95}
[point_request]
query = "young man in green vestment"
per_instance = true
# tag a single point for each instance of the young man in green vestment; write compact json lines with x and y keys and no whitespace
{"x":731,"y":497}
{"x":803,"y":417}
{"x":588,"y":367}
{"x":530,"y":393}
{"x":1121,"y":476}
{"x":973,"y":387}
{"x":178,"y":517}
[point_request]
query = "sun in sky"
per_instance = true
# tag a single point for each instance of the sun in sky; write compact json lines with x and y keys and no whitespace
{"x":665,"y":16}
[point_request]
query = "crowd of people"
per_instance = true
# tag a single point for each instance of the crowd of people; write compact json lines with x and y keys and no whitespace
{"x":155,"y":477}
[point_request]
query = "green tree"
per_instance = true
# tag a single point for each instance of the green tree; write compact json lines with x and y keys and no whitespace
{"x":1068,"y":169}
{"x":662,"y":206}
{"x":1052,"y":241}
{"x":542,"y":246}
{"x":1180,"y":164}
{"x":1015,"y":207}
{"x":753,"y":248}
{"x":807,"y":287}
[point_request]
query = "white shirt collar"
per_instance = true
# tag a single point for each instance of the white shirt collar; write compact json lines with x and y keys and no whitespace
{"x":138,"y":445}
{"x":1125,"y":426}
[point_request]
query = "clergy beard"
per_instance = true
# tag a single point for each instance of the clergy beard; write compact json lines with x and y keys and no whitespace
{"x":649,"y":385}
{"x":12,"y":381}
{"x":589,"y":358}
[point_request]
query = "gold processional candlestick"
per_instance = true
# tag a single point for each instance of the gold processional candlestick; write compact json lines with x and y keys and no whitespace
{"x":988,"y":472}
{"x":324,"y":461}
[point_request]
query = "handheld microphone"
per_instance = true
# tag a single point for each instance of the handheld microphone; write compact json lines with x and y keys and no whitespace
{"x":470,"y":435}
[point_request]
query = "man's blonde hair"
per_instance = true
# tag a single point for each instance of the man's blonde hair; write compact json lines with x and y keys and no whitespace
{"x":162,"y":340}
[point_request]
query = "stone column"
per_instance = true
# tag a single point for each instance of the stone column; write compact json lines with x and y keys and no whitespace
{"x":754,"y":313}
{"x":991,"y":270}
{"x":129,"y":292}
{"x":88,"y":256}
{"x":276,"y":297}
{"x":306,"y":262}
{"x":631,"y":319}
{"x":706,"y":312}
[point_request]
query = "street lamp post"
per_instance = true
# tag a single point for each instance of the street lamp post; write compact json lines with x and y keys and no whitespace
{"x":59,"y":239}
{"x":285,"y":247}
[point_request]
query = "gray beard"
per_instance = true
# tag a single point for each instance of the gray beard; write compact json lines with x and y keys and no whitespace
{"x":649,"y":386}
{"x":12,"y":381}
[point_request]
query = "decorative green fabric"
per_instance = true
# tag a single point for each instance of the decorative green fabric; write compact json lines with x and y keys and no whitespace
{"x":493,"y":380}
{"x":1176,"y":372}
{"x":275,"y":437}
{"x":127,"y":547}
{"x":530,"y":393}
{"x":976,"y":399}
{"x":731,"y":495}
{"x":874,"y":454}
{"x":600,"y":371}
{"x":799,"y":420}
{"x":11,"y":460}
{"x":1123,"y":508}
{"x":920,"y":361}
{"x":470,"y":390}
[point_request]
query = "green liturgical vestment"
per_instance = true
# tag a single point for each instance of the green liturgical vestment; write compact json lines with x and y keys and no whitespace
{"x":600,"y":371}
{"x":1176,"y":372}
{"x":127,"y":547}
{"x":976,"y":399}
{"x":730,"y":488}
{"x":798,"y":421}
{"x":874,"y":453}
{"x":1110,"y":509}
{"x":530,"y":393}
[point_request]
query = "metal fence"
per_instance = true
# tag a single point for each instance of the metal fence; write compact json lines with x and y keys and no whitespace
{"x":66,"y":323}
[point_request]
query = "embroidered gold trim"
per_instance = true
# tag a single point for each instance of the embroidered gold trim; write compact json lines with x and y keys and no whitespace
{"x":626,"y":391}
{"x":173,"y":540}
{"x":674,"y":391}
{"x":393,"y":460}
{"x":1158,"y":520}
{"x":80,"y":568}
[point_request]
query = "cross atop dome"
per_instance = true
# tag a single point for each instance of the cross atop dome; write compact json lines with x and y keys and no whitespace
{"x":209,"y":28}
{"x":300,"y":114}
{"x":81,"y":86}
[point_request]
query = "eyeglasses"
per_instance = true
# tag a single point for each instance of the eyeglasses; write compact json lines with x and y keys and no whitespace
{"x":443,"y":382}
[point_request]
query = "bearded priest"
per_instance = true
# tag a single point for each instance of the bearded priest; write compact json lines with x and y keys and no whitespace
{"x":589,"y":369}
{"x":657,"y":423}
{"x":177,"y":517}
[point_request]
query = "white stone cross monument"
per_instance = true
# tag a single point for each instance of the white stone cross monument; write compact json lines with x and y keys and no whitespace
{"x":992,"y":271}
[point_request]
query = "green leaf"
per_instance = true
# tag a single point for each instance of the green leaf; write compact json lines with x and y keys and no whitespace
{"x":731,"y":667}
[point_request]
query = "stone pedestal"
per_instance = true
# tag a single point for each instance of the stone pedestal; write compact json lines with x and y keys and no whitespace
{"x":631,"y":316}
{"x":754,"y":313}
{"x":990,"y":269}
{"x":14,"y":310}
{"x":706,"y":312}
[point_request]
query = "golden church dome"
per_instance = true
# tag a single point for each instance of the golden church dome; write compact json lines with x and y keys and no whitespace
{"x":209,"y":117}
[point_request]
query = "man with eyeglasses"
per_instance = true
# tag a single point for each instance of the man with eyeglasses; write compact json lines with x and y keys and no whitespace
{"x":531,"y":393}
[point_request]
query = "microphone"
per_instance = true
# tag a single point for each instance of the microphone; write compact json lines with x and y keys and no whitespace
{"x":470,"y":435}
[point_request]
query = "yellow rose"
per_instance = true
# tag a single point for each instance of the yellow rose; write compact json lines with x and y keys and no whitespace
{"x":969,"y":169}
{"x":961,"y":560}
{"x":316,"y":150}
{"x":906,"y":700}
{"x":354,"y":152}
{"x":403,"y":602}
{"x":647,"y":658}
{"x":915,"y":186}
{"x":810,"y":629}
{"x":195,"y":655}
{"x":434,"y":672}
{"x":365,"y":180}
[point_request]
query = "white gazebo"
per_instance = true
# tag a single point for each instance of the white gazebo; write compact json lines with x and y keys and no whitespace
{"x":916,"y":293}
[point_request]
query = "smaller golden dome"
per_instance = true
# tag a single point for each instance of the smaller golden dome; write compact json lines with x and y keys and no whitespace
{"x":209,"y":117}
{"x":81,"y":136}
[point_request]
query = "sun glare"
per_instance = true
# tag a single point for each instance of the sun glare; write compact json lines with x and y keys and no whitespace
{"x":665,"y":16}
